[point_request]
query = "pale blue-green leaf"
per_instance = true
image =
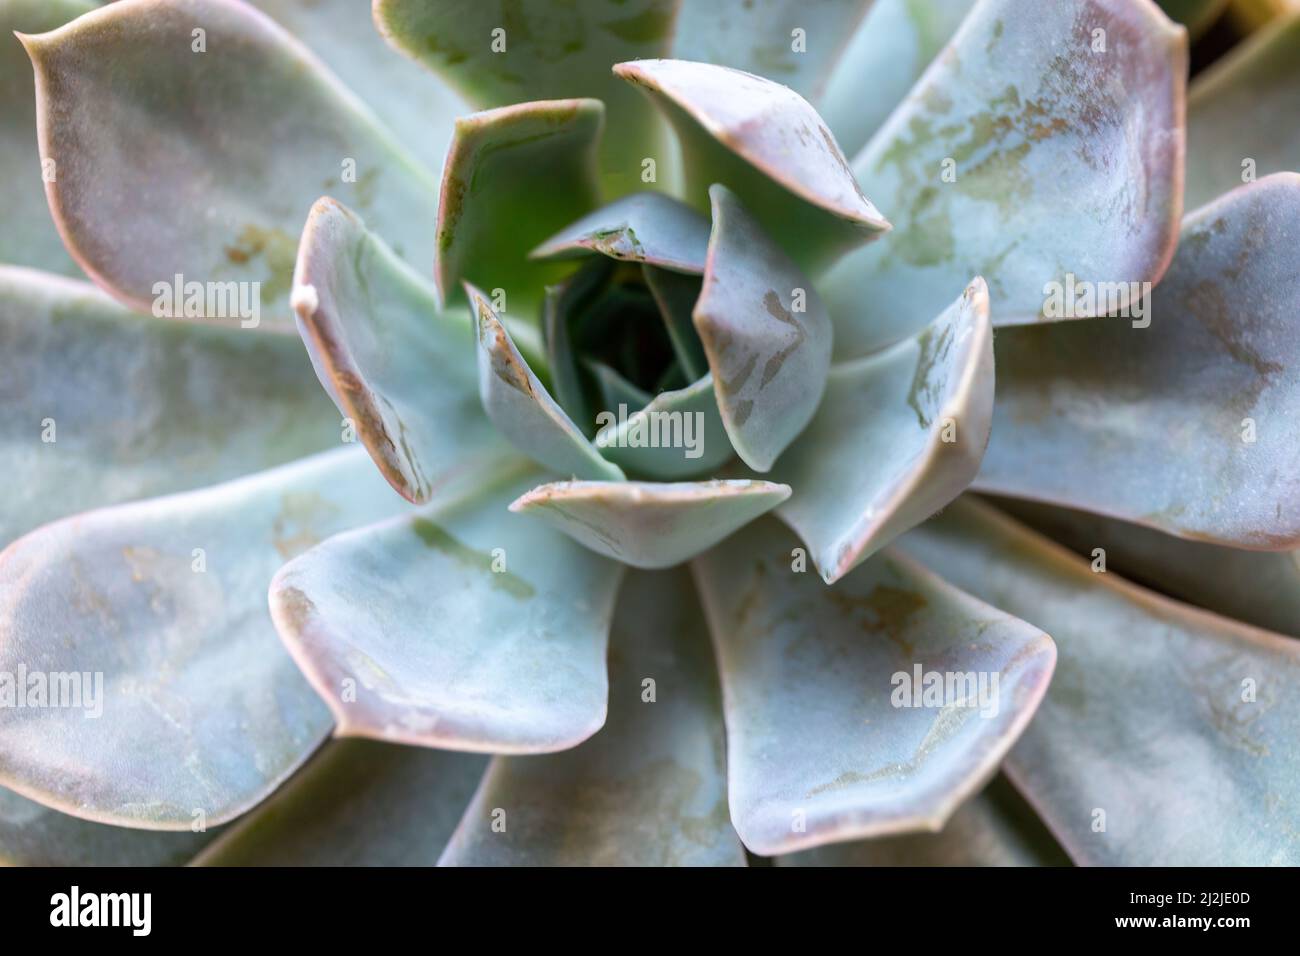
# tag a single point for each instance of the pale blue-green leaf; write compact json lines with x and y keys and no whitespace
{"x":1168,"y":735}
{"x":1257,"y":587}
{"x":896,"y":41}
{"x":28,"y":237}
{"x":498,"y":52}
{"x":898,"y":435}
{"x":793,"y":42}
{"x":356,"y":803}
{"x":1241,"y":113}
{"x":648,"y":789}
{"x":994,"y":828}
{"x":197,"y":713}
{"x":644,"y":227}
{"x":521,"y":408}
{"x":102,"y":406}
{"x":678,"y":434}
{"x":1182,"y":420}
{"x":459,"y":626}
{"x":202,"y":163}
{"x":765,"y":332}
{"x":834,"y":730}
{"x":399,"y":372}
{"x":417,"y":107}
{"x":768,"y":144}
{"x":34,"y":835}
{"x":1025,"y":156}
{"x":651,"y":524}
{"x":513,"y":176}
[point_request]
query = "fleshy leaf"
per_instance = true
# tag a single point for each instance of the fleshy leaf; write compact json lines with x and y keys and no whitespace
{"x":1180,"y":725}
{"x":995,"y":828}
{"x":398,"y":371}
{"x":765,"y":332}
{"x":103,"y":406}
{"x":498,"y":52}
{"x":33,"y":835}
{"x":356,"y":803}
{"x":898,"y":435}
{"x":514,"y":175}
{"x":458,"y":627}
{"x":676,"y":435}
{"x":1067,"y":166}
{"x":766,"y":143}
{"x":643,"y":227}
{"x":1182,"y":420}
{"x":649,"y":524}
{"x":343,"y":34}
{"x":196,"y":707}
{"x":897,"y":40}
{"x":675,"y":295}
{"x":648,"y":789}
{"x":834,"y":729}
{"x":793,"y":42}
{"x":29,"y":237}
{"x":1242,"y":109}
{"x":1255,"y":587}
{"x":521,"y":408}
{"x":175,"y":161}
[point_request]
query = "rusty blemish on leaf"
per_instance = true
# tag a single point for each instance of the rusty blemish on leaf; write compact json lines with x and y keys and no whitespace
{"x":621,"y":242}
{"x":1210,"y":307}
{"x":301,"y":522}
{"x":1079,"y":96}
{"x":507,"y":366}
{"x":923,"y":395}
{"x":888,"y":611}
{"x":363,"y":405}
{"x":278,"y":251}
{"x":946,"y":723}
{"x":451,"y":207}
{"x":295,"y":605}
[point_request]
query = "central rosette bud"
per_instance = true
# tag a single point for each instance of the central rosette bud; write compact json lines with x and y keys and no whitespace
{"x":619,"y":354}
{"x":624,"y":346}
{"x":623,"y":354}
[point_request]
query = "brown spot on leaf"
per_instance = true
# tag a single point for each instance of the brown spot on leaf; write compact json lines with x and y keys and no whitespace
{"x":887,"y":610}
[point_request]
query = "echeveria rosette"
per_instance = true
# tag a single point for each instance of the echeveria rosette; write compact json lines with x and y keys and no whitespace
{"x":501,"y":572}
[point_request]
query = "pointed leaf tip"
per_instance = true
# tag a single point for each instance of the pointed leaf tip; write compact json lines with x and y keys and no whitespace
{"x":897,"y":436}
{"x":514,"y":176}
{"x":651,"y":524}
{"x":765,"y":142}
{"x":393,"y":365}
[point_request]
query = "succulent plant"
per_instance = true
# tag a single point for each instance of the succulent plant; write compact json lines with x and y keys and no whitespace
{"x":649,"y":538}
